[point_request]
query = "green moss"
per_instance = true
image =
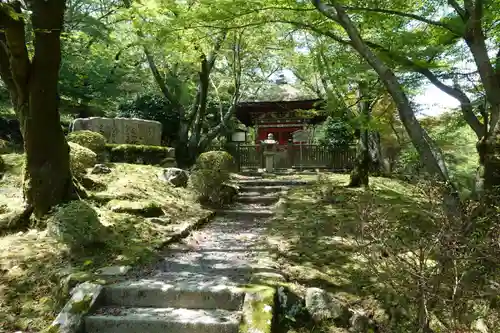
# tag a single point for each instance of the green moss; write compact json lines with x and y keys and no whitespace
{"x":82,"y":305}
{"x":145,"y":208}
{"x":88,"y":139}
{"x":75,"y":224}
{"x":138,"y":154}
{"x":81,"y":158}
{"x":258,"y":309}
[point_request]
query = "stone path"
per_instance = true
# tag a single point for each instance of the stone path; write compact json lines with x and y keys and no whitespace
{"x":194,"y":288}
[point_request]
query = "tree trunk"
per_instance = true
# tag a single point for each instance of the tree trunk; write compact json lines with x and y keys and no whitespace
{"x":360,"y":173}
{"x":47,"y":179}
{"x":428,"y":152}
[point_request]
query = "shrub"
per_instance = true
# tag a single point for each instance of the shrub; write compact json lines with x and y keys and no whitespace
{"x":432,"y":264}
{"x":88,"y":139}
{"x":138,"y":154}
{"x":81,"y":158}
{"x":209,"y":177}
{"x":75,"y":224}
{"x":220,"y":160}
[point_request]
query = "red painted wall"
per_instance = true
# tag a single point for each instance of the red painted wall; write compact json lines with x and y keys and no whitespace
{"x":281,"y":134}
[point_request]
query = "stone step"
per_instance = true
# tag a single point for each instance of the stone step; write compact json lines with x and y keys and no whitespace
{"x":272,"y":182}
{"x":263,"y":189}
{"x":160,"y":320}
{"x":262,"y":200}
{"x":187,"y":294}
{"x":242,"y":213}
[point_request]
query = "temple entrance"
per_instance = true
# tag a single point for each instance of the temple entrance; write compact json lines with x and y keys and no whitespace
{"x":283,"y":119}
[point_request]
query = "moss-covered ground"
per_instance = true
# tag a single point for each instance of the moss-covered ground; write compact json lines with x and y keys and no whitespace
{"x":319,"y":240}
{"x":34,"y":269}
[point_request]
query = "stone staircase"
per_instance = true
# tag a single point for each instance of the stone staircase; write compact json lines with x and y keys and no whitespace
{"x":197,"y":290}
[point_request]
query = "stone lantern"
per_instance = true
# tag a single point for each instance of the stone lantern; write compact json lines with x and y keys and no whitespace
{"x":270,"y":152}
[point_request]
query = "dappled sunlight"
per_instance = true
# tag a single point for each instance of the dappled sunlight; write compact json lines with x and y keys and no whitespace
{"x":317,"y":239}
{"x":35,"y":270}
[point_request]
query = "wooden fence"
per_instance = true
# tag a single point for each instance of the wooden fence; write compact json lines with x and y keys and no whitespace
{"x":296,"y":156}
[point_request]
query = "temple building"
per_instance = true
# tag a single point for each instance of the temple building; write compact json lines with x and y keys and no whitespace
{"x":281,"y":118}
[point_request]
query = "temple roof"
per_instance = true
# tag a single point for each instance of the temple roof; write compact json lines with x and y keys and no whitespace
{"x":245,"y":111}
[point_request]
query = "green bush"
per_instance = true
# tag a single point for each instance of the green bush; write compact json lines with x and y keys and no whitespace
{"x":209,"y":177}
{"x":138,"y":154}
{"x":88,"y":139}
{"x":75,"y":224}
{"x":220,"y":160}
{"x":80,"y":158}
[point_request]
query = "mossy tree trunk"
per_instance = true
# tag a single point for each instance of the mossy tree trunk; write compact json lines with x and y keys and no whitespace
{"x":33,"y":88}
{"x":361,"y":171}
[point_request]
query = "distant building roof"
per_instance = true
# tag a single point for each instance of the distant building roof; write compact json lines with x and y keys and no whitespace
{"x":245,"y":111}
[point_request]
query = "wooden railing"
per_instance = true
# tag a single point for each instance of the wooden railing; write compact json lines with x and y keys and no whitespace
{"x":296,"y":156}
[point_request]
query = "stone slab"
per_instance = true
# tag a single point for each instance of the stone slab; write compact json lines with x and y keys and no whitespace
{"x":188,"y":294}
{"x":160,"y":320}
{"x":83,"y":300}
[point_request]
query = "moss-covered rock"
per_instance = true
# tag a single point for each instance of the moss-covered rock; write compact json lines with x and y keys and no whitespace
{"x":138,"y":154}
{"x":88,"y":139}
{"x":210,"y":175}
{"x":75,"y":224}
{"x":143,"y":208}
{"x":81,"y":158}
{"x":258,"y":309}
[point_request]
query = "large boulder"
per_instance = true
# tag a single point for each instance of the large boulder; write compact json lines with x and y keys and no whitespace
{"x":75,"y":224}
{"x":100,"y":169}
{"x":122,"y":130}
{"x":175,"y":176}
{"x":322,"y":305}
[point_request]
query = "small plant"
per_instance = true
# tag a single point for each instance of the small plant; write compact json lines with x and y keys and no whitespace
{"x":88,"y":139}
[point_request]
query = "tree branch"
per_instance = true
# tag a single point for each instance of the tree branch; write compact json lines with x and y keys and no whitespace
{"x":408,"y":15}
{"x":455,"y":92}
{"x":199,"y":106}
{"x":459,"y":10}
{"x":325,"y":10}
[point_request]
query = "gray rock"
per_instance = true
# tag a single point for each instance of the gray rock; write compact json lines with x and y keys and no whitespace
{"x":322,"y":305}
{"x":114,"y":270}
{"x":175,"y":176}
{"x":359,"y":322}
{"x":100,"y":169}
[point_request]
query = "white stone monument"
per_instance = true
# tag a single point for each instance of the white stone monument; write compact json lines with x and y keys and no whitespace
{"x":122,"y":130}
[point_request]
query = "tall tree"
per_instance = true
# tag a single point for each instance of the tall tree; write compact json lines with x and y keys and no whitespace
{"x":32,"y":84}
